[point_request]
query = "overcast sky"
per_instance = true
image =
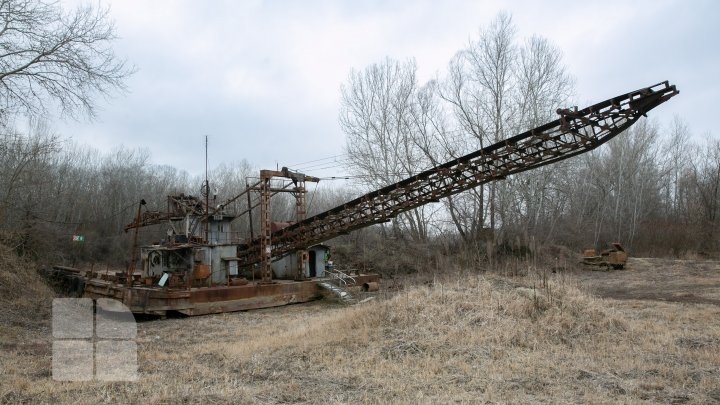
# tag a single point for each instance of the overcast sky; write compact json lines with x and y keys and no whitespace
{"x":262,"y":78}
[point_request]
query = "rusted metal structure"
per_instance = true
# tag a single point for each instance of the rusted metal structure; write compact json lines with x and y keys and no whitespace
{"x":574,"y":132}
{"x":615,"y":257}
{"x":197,"y":270}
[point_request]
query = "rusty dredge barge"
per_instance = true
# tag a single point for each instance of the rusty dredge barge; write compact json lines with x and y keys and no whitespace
{"x":200,"y":270}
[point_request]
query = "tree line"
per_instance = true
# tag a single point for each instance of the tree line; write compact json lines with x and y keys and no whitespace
{"x":653,"y":189}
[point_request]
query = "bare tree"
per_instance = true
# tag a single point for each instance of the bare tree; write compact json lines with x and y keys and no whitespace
{"x":618,"y":189}
{"x":20,"y":157}
{"x":705,"y":177}
{"x":531,"y":202}
{"x":496,"y":88}
{"x":478,"y":88}
{"x":676,"y":152}
{"x":376,"y":115}
{"x":543,"y":82}
{"x":51,"y":59}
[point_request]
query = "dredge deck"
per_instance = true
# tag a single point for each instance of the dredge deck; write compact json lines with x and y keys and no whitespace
{"x":154,"y":300}
{"x":209,"y":300}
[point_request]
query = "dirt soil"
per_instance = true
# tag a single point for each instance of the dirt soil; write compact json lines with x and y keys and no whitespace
{"x":689,"y":281}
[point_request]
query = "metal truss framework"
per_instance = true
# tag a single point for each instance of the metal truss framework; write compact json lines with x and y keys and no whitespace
{"x":575,"y":132}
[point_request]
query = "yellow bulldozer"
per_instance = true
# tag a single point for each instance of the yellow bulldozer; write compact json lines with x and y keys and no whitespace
{"x":615,"y":257}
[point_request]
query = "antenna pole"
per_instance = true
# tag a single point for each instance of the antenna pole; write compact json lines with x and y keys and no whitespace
{"x":207,"y":194}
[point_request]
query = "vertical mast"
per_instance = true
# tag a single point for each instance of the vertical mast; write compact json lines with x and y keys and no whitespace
{"x":206,"y":191}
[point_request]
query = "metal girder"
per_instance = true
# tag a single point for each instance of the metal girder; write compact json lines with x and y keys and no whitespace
{"x":574,"y":132}
{"x":179,"y":206}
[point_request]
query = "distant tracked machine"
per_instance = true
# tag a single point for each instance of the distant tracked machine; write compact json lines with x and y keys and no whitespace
{"x":615,"y":257}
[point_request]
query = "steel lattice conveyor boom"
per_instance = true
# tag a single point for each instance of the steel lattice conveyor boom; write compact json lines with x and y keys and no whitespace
{"x":575,"y":132}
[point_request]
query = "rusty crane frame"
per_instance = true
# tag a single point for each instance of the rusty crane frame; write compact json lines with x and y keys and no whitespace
{"x":574,"y":132}
{"x":298,"y":191}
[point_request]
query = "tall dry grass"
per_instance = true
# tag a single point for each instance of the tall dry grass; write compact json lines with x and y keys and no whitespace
{"x":479,"y":338}
{"x":487,"y":339}
{"x":539,"y":338}
{"x":25,"y":298}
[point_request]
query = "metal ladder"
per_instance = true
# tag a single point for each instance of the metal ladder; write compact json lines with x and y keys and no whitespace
{"x":338,"y":284}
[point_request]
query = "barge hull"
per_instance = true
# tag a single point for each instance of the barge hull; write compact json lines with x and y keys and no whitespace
{"x":210,"y":300}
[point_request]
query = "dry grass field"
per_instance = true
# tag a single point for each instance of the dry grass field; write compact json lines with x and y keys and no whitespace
{"x":579,"y":337}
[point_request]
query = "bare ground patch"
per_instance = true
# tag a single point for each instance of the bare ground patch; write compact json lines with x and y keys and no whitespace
{"x":690,"y":281}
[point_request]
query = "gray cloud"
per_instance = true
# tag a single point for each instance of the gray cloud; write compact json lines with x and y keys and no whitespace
{"x":262,"y":78}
